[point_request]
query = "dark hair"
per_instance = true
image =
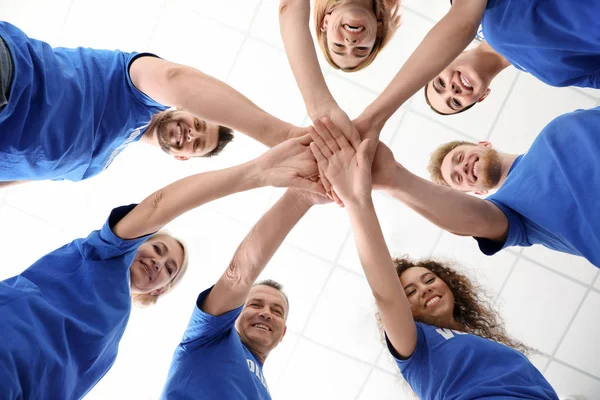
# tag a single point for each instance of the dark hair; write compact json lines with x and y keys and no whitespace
{"x":471,"y":309}
{"x":439,"y":112}
{"x":225,"y":136}
{"x":275,"y":285}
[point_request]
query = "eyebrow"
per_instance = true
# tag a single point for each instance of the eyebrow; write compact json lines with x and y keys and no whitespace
{"x":421,"y":278}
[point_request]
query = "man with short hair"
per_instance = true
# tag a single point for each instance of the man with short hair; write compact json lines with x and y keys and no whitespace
{"x":67,"y":113}
{"x":548,"y":196}
{"x":237,"y":323}
{"x":470,"y":167}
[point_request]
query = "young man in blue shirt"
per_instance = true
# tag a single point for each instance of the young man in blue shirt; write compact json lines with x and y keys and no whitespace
{"x":67,"y":113}
{"x":547,"y":196}
{"x":236,"y":323}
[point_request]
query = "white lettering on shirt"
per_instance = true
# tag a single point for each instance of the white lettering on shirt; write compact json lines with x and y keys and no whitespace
{"x":255,"y":369}
{"x":131,"y":138}
{"x":449,"y":333}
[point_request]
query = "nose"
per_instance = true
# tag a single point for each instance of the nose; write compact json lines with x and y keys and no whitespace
{"x":456,"y":88}
{"x":425,"y":292}
{"x":265,"y":315}
{"x":350,"y":40}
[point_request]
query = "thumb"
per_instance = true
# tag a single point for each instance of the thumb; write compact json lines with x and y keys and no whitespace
{"x":366,"y":152}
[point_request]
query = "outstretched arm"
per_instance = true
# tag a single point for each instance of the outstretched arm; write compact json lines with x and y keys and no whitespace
{"x":288,"y":164}
{"x":300,"y":50}
{"x":350,"y":174}
{"x":256,"y":250}
{"x":439,"y":48}
{"x":451,"y":210}
{"x":210,"y":99}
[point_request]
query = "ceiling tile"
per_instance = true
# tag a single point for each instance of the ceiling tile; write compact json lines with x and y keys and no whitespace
{"x":567,"y":381}
{"x":573,"y":266}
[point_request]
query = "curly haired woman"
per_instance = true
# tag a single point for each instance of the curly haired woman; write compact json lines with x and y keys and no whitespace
{"x":447,"y":343}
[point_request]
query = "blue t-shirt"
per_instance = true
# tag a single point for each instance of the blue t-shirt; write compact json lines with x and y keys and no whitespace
{"x":556,"y":41}
{"x":63,"y":317}
{"x":452,"y":365}
{"x":70,"y":111}
{"x":211,"y":362}
{"x":550,"y":196}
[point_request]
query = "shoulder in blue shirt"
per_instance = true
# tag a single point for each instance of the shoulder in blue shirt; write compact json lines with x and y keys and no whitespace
{"x":550,"y":194}
{"x":211,"y":362}
{"x":556,"y":41}
{"x":70,"y":111}
{"x":449,"y":364}
{"x":63,"y":317}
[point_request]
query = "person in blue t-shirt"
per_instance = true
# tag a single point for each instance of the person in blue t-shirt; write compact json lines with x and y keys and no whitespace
{"x":446,"y":341}
{"x":546,"y":196}
{"x":557,"y":42}
{"x":237,"y":323}
{"x":67,"y":113}
{"x":63,"y":317}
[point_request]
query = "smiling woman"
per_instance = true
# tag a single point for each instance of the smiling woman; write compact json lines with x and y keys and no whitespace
{"x":351,"y":33}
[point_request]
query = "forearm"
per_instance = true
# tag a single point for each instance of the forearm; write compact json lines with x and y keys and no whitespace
{"x":444,"y":42}
{"x":294,"y":25}
{"x":168,"y":203}
{"x":381,"y":275}
{"x":266,"y":237}
{"x":372,"y":250}
{"x":253,"y":254}
{"x":451,"y":210}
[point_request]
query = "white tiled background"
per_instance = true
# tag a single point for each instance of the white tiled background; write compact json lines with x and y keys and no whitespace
{"x":332,"y":350}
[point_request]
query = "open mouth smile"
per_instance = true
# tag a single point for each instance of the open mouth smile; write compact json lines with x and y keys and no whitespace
{"x":262,"y":326}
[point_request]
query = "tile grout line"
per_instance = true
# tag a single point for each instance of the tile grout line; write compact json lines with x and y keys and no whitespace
{"x":502,"y":106}
{"x":373,"y":366}
{"x":445,"y":126}
{"x":561,"y":274}
{"x":246,"y":37}
{"x":568,"y":328}
{"x":512,"y":269}
{"x":581,"y":371}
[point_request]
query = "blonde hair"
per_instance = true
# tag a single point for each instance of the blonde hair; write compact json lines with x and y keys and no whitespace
{"x":437,"y":157}
{"x":386,"y":12}
{"x":146,"y":299}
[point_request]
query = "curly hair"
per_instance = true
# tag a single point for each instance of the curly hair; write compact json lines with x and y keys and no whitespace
{"x":386,"y":12}
{"x":472,"y":309}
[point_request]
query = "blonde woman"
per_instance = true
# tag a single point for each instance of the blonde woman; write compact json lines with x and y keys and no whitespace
{"x":63,"y":317}
{"x":350,"y":33}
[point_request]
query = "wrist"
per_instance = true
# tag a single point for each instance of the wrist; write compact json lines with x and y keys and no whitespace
{"x":255,"y":173}
{"x":373,"y":118}
{"x":323,"y":108}
{"x":296,"y":199}
{"x":359,"y":204}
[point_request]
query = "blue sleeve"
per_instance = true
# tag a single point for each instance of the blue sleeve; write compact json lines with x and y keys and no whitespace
{"x":416,"y":357}
{"x":591,"y":81}
{"x":516,"y":232}
{"x":204,"y":328}
{"x":138,"y":94}
{"x":104,"y":244}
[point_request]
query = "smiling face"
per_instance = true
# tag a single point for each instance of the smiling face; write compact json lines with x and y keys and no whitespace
{"x":183,"y":135}
{"x":157,"y":262}
{"x":458,"y":86}
{"x":261,"y":325}
{"x":431,"y":300}
{"x":472,"y":168}
{"x":351,"y":31}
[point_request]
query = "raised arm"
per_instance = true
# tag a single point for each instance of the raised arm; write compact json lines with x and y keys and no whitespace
{"x":299,"y":47}
{"x":256,"y":250}
{"x":451,"y":210}
{"x":444,"y":42}
{"x":210,"y":99}
{"x":288,"y":164}
{"x":350,"y":174}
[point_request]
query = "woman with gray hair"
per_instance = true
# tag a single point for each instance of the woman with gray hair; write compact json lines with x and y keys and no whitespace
{"x":64,"y":316}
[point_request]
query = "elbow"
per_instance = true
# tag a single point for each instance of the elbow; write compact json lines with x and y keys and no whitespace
{"x":234,"y":275}
{"x":287,"y":6}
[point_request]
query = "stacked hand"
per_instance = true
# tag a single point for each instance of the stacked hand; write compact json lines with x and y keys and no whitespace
{"x":344,"y":164}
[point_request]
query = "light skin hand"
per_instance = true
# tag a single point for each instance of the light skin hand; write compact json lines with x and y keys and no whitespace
{"x":347,"y":169}
{"x":291,"y":164}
